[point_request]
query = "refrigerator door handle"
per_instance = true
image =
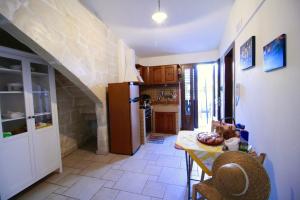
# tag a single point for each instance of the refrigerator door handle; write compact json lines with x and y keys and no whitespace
{"x":133,"y":100}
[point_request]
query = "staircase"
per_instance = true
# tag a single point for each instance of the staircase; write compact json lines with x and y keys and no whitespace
{"x":85,"y":106}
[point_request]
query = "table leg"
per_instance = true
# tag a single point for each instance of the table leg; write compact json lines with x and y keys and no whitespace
{"x":202,"y":176}
{"x":189,"y":168}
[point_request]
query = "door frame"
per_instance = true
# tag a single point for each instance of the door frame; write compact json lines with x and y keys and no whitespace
{"x":217,"y":94}
{"x":229,"y":52}
{"x":190,"y":118}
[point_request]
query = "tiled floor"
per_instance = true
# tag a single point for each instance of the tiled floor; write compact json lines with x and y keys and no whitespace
{"x":156,"y":171}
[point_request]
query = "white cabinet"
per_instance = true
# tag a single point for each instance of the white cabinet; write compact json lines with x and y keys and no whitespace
{"x":29,"y":137}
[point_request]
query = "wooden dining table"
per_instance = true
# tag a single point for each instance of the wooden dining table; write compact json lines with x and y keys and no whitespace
{"x":195,"y":151}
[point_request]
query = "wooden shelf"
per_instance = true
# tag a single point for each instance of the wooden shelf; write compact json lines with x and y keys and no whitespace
{"x":8,"y":120}
{"x":40,"y":92}
{"x":10,"y":71}
{"x":42,"y":114}
{"x":11,"y":92}
{"x":14,"y":71}
{"x":38,"y":74}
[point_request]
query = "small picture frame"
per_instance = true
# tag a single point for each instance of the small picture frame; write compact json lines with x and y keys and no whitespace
{"x":275,"y":54}
{"x":247,"y":54}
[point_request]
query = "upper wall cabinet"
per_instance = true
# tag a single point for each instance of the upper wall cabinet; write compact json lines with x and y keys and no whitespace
{"x":167,"y":74}
{"x":159,"y":75}
{"x":171,"y":74}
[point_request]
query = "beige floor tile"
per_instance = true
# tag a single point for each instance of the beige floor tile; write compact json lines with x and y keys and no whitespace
{"x":68,"y":180}
{"x":113,"y":175}
{"x":109,"y":184}
{"x":82,"y":154}
{"x":139,"y":154}
{"x":118,"y":161}
{"x":38,"y":192}
{"x":131,"y":182}
{"x":152,"y":178}
{"x":169,"y":161}
{"x":152,"y":170}
{"x":85,"y":188}
{"x":55,"y":177}
{"x":96,"y":170}
{"x":60,"y":190}
{"x":173,"y":176}
{"x":154,"y":189}
{"x":179,"y":153}
{"x":174,"y":192}
{"x":58,"y":197}
{"x":103,"y":158}
{"x":105,"y":194}
{"x":76,"y":163}
{"x":134,"y":165}
{"x":130,"y":196}
{"x":151,"y":156}
{"x":165,"y":150}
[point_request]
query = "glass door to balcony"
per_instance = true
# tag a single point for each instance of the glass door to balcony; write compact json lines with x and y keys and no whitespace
{"x":41,"y":95}
{"x":12,"y":100}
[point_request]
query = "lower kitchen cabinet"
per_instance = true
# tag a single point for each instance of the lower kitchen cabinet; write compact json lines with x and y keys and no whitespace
{"x":29,"y":136}
{"x":165,"y":122}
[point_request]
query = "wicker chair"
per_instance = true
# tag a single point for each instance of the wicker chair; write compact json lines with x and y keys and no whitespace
{"x":207,"y":191}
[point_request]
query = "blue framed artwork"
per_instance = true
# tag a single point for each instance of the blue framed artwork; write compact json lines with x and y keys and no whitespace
{"x":247,"y":53}
{"x":275,"y":54}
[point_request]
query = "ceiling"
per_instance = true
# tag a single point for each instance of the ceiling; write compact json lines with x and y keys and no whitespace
{"x":192,"y":25}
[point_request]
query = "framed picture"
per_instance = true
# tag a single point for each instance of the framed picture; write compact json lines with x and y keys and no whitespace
{"x":275,"y":54}
{"x":247,"y":53}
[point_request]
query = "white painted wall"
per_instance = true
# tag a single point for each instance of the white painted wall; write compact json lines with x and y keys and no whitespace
{"x":270,"y":102}
{"x":199,"y":57}
{"x":241,"y":12}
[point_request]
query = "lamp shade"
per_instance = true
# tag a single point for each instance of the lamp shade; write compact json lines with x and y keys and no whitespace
{"x":159,"y":17}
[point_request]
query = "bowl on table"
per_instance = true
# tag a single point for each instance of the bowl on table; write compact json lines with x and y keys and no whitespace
{"x":210,"y":138}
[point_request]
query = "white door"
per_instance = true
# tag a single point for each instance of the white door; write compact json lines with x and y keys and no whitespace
{"x":43,"y":123}
{"x":16,"y":153}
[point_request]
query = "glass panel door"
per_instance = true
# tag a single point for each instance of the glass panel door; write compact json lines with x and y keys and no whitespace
{"x":205,"y":95}
{"x":12,"y":100}
{"x":41,"y":95}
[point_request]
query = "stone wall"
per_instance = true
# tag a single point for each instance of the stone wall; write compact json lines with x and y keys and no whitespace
{"x":75,"y":42}
{"x":74,"y":128}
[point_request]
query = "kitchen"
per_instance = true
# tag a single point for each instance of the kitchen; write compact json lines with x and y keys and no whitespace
{"x":154,"y":107}
{"x":162,"y":85}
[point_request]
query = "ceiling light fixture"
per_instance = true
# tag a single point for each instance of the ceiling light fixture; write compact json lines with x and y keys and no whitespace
{"x":159,"y":17}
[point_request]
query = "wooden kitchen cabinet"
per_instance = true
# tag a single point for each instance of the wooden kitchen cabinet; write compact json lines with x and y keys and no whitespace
{"x":165,"y":122}
{"x":144,"y":74}
{"x":171,"y":75}
{"x":160,"y":74}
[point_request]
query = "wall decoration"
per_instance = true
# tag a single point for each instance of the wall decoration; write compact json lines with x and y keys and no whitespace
{"x":275,"y":54}
{"x":247,"y":53}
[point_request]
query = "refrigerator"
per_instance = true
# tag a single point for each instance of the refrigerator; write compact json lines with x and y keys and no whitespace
{"x":124,"y":121}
